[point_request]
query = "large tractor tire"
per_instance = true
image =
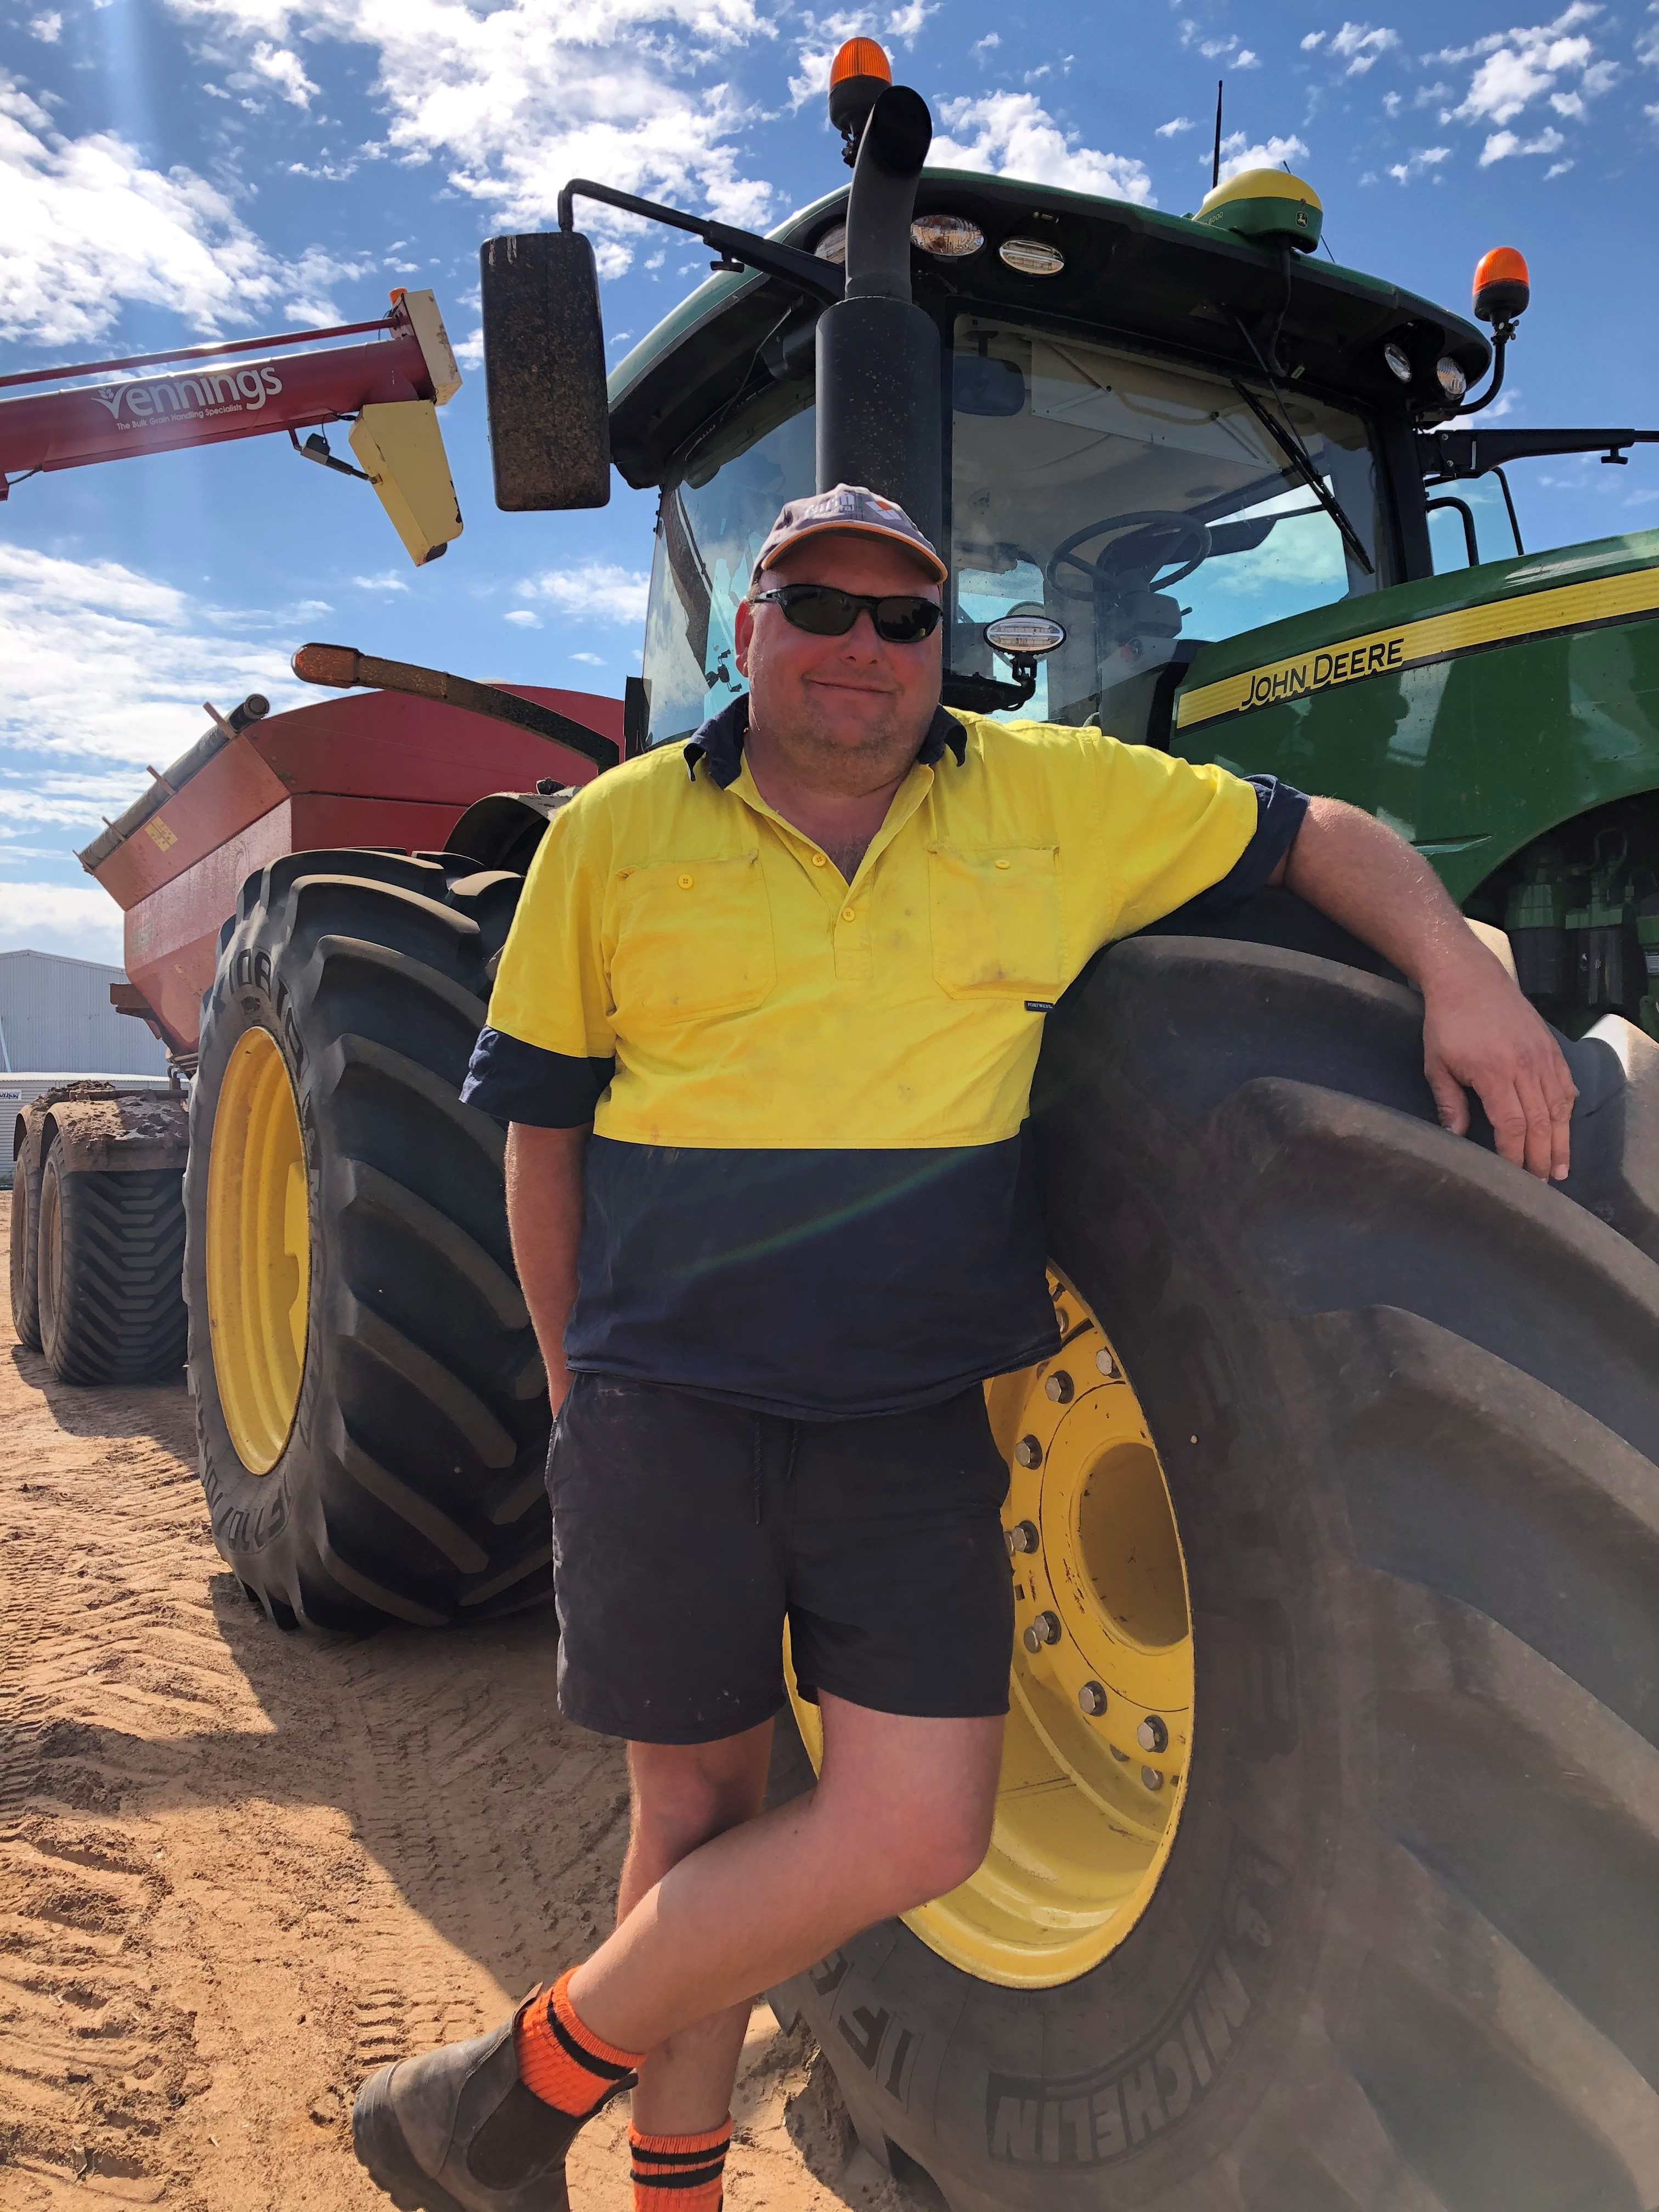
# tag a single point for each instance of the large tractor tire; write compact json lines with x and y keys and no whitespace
{"x":371,"y":1408}
{"x":25,"y":1224}
{"x":1325,"y":1875}
{"x":108,"y":1252}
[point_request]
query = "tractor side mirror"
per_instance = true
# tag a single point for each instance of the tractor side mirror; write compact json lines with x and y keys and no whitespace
{"x":544,"y":342}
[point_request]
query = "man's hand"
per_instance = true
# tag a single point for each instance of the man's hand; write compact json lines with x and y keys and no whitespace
{"x":1478,"y":1033}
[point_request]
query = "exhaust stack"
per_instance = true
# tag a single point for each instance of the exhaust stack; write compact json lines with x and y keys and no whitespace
{"x":879,"y":366}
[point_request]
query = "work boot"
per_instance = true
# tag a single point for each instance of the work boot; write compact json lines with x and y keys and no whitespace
{"x":456,"y":2130}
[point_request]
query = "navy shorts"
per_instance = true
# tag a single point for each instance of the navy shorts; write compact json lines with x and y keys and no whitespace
{"x":686,"y":1531}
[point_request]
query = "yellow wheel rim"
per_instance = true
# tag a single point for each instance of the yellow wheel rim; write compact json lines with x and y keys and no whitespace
{"x":1097,"y":1747}
{"x":258,"y":1250}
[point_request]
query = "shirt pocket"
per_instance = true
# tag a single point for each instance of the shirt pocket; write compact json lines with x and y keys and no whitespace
{"x":693,"y":937}
{"x":995,"y":918}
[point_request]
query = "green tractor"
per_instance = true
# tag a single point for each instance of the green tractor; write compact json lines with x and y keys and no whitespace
{"x":1326,"y":1870}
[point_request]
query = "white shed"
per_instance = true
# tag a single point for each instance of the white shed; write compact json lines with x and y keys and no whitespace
{"x":55,"y":1015}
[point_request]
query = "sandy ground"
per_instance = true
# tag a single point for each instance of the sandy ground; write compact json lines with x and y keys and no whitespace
{"x":240,"y":1869}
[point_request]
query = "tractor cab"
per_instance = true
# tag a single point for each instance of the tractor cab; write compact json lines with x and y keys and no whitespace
{"x":1157,"y":432}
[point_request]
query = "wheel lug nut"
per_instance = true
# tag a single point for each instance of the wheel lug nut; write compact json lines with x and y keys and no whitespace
{"x":1152,"y":1778}
{"x":1121,"y":1757}
{"x":1059,"y":1388}
{"x":1045,"y":1629}
{"x":1028,"y":1452}
{"x":1152,"y":1734}
{"x":1023,"y":1536}
{"x":1092,"y":1699}
{"x":1104,"y":1361}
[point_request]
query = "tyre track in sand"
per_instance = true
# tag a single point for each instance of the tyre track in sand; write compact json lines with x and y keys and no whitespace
{"x":238,"y":1869}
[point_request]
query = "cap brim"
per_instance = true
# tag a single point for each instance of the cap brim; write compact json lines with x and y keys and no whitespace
{"x":924,"y":554}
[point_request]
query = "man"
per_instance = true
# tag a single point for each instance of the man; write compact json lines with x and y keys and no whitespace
{"x":764,"y":1031}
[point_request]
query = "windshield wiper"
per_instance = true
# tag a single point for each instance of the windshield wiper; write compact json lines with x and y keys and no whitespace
{"x":1302,"y":461}
{"x":1285,"y":437}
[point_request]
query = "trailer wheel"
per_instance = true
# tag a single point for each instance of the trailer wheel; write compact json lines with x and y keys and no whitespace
{"x":371,"y":1407}
{"x":1397,"y":1940}
{"x":108,"y":1252}
{"x":25,"y":1222}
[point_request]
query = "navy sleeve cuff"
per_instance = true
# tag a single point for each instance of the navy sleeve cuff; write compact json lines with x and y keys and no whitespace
{"x":1279,"y":809}
{"x":520,"y":1082}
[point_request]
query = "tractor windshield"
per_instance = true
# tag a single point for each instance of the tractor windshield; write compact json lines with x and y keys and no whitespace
{"x":1146,"y":506}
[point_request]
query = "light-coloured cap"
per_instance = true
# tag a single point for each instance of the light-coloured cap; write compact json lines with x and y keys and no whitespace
{"x":848,"y":507}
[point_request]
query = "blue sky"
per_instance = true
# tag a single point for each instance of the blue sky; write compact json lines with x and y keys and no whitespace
{"x":172,"y":170}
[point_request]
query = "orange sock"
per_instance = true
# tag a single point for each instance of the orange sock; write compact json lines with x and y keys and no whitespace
{"x":562,"y":2061}
{"x":680,"y":2174}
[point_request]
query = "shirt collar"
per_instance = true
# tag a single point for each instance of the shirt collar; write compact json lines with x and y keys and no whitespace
{"x":720,"y":741}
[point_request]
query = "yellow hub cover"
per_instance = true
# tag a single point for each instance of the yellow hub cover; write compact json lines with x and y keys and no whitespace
{"x":258,"y":1250}
{"x":1097,"y":1742}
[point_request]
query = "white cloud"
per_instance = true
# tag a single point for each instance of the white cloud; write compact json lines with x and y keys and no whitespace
{"x":512,"y":100}
{"x":1236,"y":154}
{"x":1361,"y":47}
{"x":1214,"y":50}
{"x":48,"y":28}
{"x":387,"y":581}
{"x":1569,"y":104}
{"x":1503,"y":144}
{"x":1011,"y":134}
{"x":1556,"y":169}
{"x":1245,"y":59}
{"x":1173,"y":129}
{"x":905,"y":22}
{"x":592,"y":659}
{"x":1391,"y":103}
{"x":89,"y":228}
{"x":988,"y":45}
{"x":1312,"y":43}
{"x":601,"y":590}
{"x":81,"y":922}
{"x":523,"y":617}
{"x":105,"y":669}
{"x":276,"y":66}
{"x":1518,"y":66}
{"x":1420,"y":160}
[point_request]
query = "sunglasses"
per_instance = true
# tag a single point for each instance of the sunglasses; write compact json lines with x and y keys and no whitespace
{"x":904,"y":618}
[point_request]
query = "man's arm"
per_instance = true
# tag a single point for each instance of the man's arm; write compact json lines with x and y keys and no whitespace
{"x":1477,"y":1031}
{"x":544,"y":1214}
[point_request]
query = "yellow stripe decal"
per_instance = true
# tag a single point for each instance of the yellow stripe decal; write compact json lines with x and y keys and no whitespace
{"x":1380,"y":652}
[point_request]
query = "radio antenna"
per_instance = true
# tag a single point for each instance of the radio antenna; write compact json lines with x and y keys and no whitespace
{"x":1215,"y":159}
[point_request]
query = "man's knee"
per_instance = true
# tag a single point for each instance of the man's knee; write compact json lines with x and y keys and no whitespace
{"x":924,"y":1857}
{"x":684,"y":1793}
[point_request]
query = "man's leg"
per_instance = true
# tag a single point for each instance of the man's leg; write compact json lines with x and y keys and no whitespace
{"x":901,"y":1814}
{"x":682,"y":1796}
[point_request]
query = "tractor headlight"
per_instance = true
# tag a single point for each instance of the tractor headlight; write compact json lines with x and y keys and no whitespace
{"x":946,"y":237}
{"x":1032,"y":257}
{"x":1398,"y":359}
{"x":1450,"y":378}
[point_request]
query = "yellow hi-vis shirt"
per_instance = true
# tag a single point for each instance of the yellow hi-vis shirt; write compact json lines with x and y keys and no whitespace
{"x":806,"y":1189}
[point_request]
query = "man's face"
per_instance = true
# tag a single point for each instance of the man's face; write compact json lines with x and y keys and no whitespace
{"x":846,"y":714}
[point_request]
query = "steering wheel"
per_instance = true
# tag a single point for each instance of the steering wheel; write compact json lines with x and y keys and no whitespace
{"x":1190,"y":546}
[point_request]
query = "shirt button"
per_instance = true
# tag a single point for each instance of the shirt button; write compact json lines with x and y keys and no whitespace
{"x":1004,"y":864}
{"x":849,"y":914}
{"x":685,"y":883}
{"x":819,"y":860}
